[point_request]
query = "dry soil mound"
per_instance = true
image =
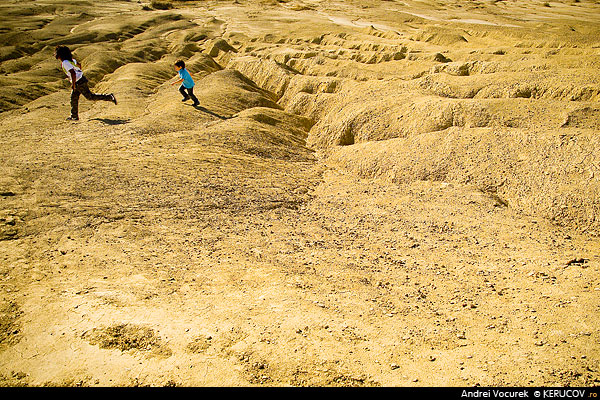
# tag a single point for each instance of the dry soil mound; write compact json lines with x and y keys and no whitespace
{"x":369,"y":193}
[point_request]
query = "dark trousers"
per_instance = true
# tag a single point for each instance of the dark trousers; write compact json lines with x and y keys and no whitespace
{"x":189,"y":94}
{"x":81,"y":88}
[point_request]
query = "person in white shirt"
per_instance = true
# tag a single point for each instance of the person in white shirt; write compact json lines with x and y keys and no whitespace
{"x":79,"y":83}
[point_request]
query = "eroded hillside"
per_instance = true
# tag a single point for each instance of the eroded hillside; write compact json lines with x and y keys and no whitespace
{"x":370,"y":193}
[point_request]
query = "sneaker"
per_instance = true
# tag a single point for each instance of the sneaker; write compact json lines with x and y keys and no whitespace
{"x":196,"y":104}
{"x":71,"y":118}
{"x":113,"y":99}
{"x":185,"y":99}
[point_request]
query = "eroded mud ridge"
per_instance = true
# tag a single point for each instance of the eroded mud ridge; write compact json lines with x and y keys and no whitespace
{"x":370,"y":193}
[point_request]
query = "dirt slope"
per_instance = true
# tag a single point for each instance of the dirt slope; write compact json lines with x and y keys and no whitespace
{"x":371,"y":193}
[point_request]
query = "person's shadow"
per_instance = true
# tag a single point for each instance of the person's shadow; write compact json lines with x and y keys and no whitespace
{"x":109,"y":121}
{"x":200,"y":108}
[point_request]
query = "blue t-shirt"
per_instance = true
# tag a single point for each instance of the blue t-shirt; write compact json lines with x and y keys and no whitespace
{"x":188,"y":82}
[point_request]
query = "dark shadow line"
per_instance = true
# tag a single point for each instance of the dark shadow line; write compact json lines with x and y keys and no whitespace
{"x":109,"y":121}
{"x":200,"y":108}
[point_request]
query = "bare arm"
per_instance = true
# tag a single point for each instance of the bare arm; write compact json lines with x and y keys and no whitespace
{"x":73,"y":78}
{"x":176,"y":82}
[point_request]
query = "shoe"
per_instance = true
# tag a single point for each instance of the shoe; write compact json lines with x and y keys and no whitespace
{"x":185,"y":99}
{"x":73,"y":118}
{"x":113,"y":99}
{"x":196,"y":104}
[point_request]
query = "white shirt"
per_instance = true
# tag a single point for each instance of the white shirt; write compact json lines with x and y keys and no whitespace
{"x":68,"y":65}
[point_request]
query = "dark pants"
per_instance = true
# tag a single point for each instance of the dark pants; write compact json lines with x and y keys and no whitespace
{"x":189,"y":94}
{"x":81,"y":87}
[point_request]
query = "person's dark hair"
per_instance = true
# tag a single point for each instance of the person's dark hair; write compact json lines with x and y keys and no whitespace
{"x":63,"y":52}
{"x":180,"y":64}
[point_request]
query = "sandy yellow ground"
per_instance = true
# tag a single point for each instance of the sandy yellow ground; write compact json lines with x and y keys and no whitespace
{"x":371,"y":193}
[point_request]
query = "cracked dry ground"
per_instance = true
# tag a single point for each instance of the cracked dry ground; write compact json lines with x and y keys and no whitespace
{"x":236,"y":244}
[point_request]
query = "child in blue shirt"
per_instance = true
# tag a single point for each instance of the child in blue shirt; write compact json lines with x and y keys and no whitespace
{"x":187,"y":83}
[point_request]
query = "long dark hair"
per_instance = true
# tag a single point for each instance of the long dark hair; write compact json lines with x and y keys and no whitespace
{"x":63,"y":52}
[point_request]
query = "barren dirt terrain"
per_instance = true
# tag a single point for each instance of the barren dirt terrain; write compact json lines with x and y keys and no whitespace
{"x":370,"y":193}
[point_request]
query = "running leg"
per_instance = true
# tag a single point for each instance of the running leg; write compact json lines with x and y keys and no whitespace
{"x":183,"y":93}
{"x":191,"y":93}
{"x":85,"y":90}
{"x":75,"y":103}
